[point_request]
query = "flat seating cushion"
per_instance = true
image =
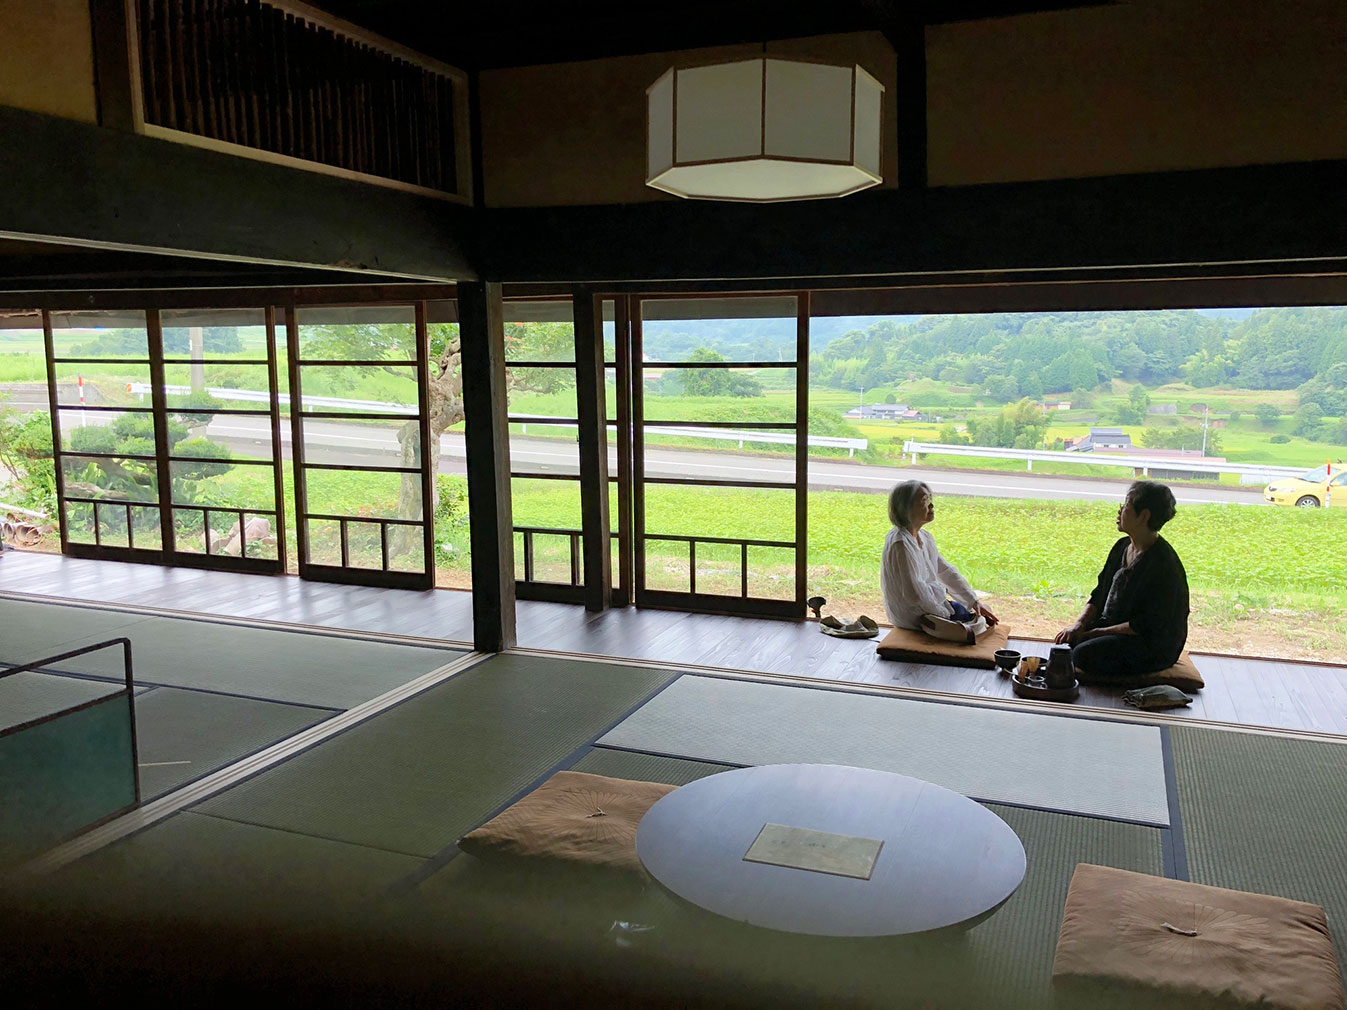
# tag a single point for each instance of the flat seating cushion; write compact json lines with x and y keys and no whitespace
{"x":572,"y":818}
{"x":915,"y":647}
{"x":1182,"y":675}
{"x":1249,"y":949}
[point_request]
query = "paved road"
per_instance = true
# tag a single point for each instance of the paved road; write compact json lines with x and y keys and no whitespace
{"x":355,"y":443}
{"x":331,"y":442}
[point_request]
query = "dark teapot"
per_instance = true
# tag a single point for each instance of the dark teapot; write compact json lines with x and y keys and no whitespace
{"x":1060,"y":672}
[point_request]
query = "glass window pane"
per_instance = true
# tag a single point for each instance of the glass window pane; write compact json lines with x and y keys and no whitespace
{"x":720,"y":454}
{"x":106,"y":430}
{"x":188,"y":530}
{"x":552,"y":504}
{"x":364,"y":545}
{"x":541,"y":392}
{"x":544,"y":448}
{"x":119,"y":478}
{"x":79,"y":522}
{"x":610,"y":393}
{"x":214,"y":334}
{"x":666,"y":566}
{"x":324,"y":542}
{"x":539,"y":331}
{"x":728,"y":395}
{"x":719,"y":568}
{"x":741,"y":513}
{"x":103,"y":384}
{"x":405,"y":550}
{"x":771,"y":573}
{"x":551,"y":557}
{"x":216,"y":384}
{"x":386,"y":389}
{"x":230,"y":485}
{"x":364,"y":494}
{"x":231,"y":436}
{"x":737,"y":329}
{"x":372,"y":443}
{"x":23,"y":358}
{"x":113,"y":524}
{"x":357,"y":333}
{"x":100,"y":334}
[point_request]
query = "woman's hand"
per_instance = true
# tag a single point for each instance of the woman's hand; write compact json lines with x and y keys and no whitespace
{"x":992,"y":619}
{"x":1071,"y":635}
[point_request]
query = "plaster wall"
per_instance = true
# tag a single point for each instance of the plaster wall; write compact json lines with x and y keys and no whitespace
{"x":1144,"y":86}
{"x":47,"y":58}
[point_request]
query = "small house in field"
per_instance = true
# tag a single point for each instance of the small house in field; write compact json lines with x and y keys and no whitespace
{"x":1103,"y":439}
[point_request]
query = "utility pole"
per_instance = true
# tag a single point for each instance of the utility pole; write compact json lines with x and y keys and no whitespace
{"x":1206,"y":413}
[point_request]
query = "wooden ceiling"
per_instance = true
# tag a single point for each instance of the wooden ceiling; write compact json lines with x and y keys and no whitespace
{"x":506,"y":34}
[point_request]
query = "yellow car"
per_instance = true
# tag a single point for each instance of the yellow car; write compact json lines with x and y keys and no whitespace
{"x":1311,"y":489}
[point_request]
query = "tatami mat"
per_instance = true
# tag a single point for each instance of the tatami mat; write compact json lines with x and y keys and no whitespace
{"x":1266,"y":814}
{"x":27,"y":696}
{"x":182,"y":735}
{"x":33,"y":631}
{"x":288,"y":666}
{"x":622,"y":764}
{"x":419,"y":776}
{"x":1083,"y":766}
{"x":200,"y":868}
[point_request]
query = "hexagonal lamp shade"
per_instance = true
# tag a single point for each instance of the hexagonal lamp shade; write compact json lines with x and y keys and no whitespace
{"x":763,"y":130}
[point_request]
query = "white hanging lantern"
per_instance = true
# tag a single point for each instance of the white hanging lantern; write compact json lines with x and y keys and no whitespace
{"x":763,"y":130}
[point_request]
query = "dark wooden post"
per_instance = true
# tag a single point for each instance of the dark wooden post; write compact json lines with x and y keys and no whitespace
{"x":114,"y":81}
{"x":487,"y":443}
{"x":908,"y":39}
{"x":593,"y":444}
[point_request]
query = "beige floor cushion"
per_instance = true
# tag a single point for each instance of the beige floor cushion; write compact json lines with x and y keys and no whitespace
{"x":572,"y":818}
{"x":1182,"y":675}
{"x":914,"y":647}
{"x":1124,"y":929}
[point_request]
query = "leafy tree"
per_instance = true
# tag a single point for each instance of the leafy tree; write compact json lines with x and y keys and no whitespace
{"x":1306,"y":420}
{"x":1186,"y":436}
{"x":1135,"y":409}
{"x":1267,"y":414}
{"x":949,"y":435}
{"x":26,"y":455}
{"x":716,"y":381}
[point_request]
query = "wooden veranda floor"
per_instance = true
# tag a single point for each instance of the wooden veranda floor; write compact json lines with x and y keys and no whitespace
{"x":1256,"y":692}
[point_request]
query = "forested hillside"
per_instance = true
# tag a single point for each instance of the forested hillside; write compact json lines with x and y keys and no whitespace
{"x":1032,"y":354}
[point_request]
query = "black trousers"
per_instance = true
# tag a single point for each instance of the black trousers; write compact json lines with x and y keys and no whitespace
{"x":1118,"y":656}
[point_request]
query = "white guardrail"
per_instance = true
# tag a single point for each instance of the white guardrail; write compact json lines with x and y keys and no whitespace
{"x":1188,"y":464}
{"x":373,"y":406}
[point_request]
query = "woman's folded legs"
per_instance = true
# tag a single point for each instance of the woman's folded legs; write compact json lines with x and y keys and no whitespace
{"x":1117,"y":656}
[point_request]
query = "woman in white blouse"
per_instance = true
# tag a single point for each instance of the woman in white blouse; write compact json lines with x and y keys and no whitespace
{"x":915,"y":579}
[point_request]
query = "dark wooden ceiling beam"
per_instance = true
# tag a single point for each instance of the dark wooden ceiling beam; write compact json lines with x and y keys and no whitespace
{"x":70,"y":182}
{"x":1267,"y":214}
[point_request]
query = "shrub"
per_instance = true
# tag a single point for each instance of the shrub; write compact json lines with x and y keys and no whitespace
{"x":1279,"y":439}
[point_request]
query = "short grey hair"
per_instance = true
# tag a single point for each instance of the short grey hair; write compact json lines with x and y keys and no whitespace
{"x":902,"y":499}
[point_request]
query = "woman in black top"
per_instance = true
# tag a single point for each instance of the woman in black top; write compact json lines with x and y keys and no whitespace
{"x":1137,"y":619}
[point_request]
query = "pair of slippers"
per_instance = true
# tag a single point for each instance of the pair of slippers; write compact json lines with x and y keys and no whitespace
{"x":861,"y":627}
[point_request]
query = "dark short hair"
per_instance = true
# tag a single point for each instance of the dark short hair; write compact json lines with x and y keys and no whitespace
{"x":1150,"y":494}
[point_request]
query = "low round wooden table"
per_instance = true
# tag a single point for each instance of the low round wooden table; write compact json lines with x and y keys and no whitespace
{"x":944,"y":860}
